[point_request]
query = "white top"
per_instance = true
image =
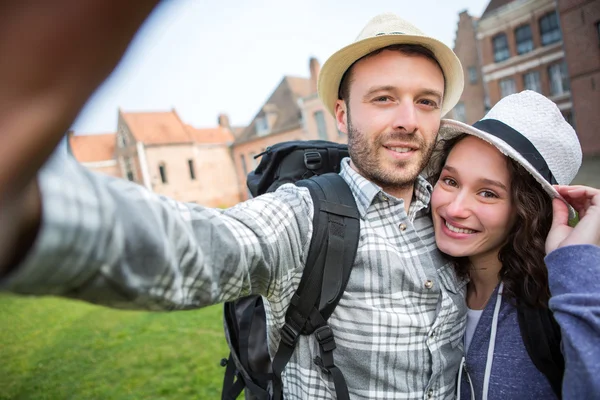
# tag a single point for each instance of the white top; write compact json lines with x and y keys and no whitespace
{"x":473,"y":317}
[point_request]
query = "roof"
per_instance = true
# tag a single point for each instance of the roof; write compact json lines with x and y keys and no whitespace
{"x":156,"y":127}
{"x":209,"y":135}
{"x":93,"y":148}
{"x":493,"y":5}
{"x":283,"y":102}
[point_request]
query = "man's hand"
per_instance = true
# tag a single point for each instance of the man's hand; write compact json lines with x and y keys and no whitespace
{"x":586,"y":201}
{"x":53,"y":56}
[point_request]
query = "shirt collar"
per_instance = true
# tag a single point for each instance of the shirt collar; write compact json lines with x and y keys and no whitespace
{"x":366,"y":191}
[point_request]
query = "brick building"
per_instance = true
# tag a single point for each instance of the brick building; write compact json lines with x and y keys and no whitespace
{"x":470,"y":107}
{"x":159,"y":151}
{"x":580,"y":22}
{"x":207,"y":166}
{"x":292,"y":112}
{"x":96,"y":152}
{"x":552,"y":47}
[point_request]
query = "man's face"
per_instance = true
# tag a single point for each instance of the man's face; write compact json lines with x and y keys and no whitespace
{"x":392,"y":117}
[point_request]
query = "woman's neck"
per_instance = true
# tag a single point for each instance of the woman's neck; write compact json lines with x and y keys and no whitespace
{"x":484,"y":274}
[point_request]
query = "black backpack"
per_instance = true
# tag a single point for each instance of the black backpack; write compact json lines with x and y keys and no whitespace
{"x":314,"y":165}
{"x":541,"y":336}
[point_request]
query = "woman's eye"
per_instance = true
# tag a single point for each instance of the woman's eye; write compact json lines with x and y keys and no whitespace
{"x":488,"y":194}
{"x":449,"y":181}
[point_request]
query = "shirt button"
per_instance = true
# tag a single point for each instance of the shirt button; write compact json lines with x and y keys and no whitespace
{"x":430,"y":394}
{"x":402,"y":227}
{"x":384,"y":197}
{"x":428,"y":284}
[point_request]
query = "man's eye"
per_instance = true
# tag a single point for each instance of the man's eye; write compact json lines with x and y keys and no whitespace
{"x":381,"y":98}
{"x":429,"y":103}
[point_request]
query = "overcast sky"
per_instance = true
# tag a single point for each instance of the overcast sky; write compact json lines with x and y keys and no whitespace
{"x":204,"y":58}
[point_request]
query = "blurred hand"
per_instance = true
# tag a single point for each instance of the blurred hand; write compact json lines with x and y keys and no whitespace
{"x":53,"y":56}
{"x":586,"y":201}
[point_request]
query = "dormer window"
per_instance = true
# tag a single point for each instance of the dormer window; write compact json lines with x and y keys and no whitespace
{"x":121,"y":138}
{"x":262,"y":126}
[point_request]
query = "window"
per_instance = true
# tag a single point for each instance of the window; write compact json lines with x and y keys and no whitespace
{"x":473,"y":74}
{"x":524,"y":39}
{"x":192,"y":173}
{"x":501,"y":51}
{"x":321,"y":127}
{"x":129,"y":169}
{"x":559,"y":79}
{"x":507,"y":86}
{"x":569,"y":118}
{"x":262,"y":126}
{"x":121,"y":140}
{"x":459,"y":112}
{"x":163,"y":172}
{"x":550,"y":29}
{"x":243,"y":161}
{"x":531,"y":81}
{"x":253,"y":159}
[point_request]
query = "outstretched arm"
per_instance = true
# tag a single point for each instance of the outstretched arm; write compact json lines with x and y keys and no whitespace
{"x":573,"y":262}
{"x":109,"y":241}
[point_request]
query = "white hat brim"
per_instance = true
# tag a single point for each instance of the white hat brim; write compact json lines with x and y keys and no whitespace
{"x":450,"y":128}
{"x":334,"y":68}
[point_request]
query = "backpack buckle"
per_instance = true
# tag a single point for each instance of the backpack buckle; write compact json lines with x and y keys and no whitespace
{"x":325,"y":338}
{"x":313,"y":160}
{"x":289,"y":335}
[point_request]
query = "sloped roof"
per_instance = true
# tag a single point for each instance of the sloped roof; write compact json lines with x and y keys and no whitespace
{"x":284,"y":103}
{"x":493,"y":5}
{"x":156,"y":127}
{"x":209,"y":135}
{"x":93,"y":148}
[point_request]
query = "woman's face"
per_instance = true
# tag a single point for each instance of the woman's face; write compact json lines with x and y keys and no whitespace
{"x":471,"y":202}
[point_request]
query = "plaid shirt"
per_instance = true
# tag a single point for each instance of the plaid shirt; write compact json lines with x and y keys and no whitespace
{"x":398,"y":326}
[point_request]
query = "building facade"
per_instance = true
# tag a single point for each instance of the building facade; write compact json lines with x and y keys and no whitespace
{"x":207,"y":166}
{"x":158,"y":151}
{"x":580,"y":22}
{"x":549,"y":46}
{"x":471,"y":106}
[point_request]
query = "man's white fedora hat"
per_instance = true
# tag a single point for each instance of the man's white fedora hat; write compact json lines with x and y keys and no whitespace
{"x":382,"y":31}
{"x":530,"y":129}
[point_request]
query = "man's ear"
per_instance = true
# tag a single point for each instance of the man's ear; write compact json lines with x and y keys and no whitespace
{"x":341,"y":116}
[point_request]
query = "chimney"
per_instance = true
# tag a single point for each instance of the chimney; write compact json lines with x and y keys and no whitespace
{"x":315,"y":68}
{"x":224,"y":121}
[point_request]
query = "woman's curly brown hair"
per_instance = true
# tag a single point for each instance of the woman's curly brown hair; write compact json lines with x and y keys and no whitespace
{"x":522,"y":254}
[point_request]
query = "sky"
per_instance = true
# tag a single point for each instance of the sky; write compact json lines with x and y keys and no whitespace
{"x":205,"y":58}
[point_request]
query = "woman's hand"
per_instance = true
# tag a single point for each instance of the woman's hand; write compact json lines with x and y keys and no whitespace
{"x":586,"y":201}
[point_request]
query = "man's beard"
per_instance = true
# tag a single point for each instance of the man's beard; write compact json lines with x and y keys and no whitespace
{"x":365,"y":156}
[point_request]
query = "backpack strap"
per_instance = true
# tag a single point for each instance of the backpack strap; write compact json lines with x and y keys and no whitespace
{"x":541,"y":336}
{"x":336,"y":229}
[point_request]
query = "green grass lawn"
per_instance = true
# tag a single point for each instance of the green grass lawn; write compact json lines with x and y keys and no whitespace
{"x":61,"y":349}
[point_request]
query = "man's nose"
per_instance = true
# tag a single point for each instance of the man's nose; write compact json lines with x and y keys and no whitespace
{"x":405,"y":117}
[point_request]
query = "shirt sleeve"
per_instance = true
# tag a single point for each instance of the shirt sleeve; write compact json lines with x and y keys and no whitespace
{"x":112,"y":242}
{"x":574,"y":277}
